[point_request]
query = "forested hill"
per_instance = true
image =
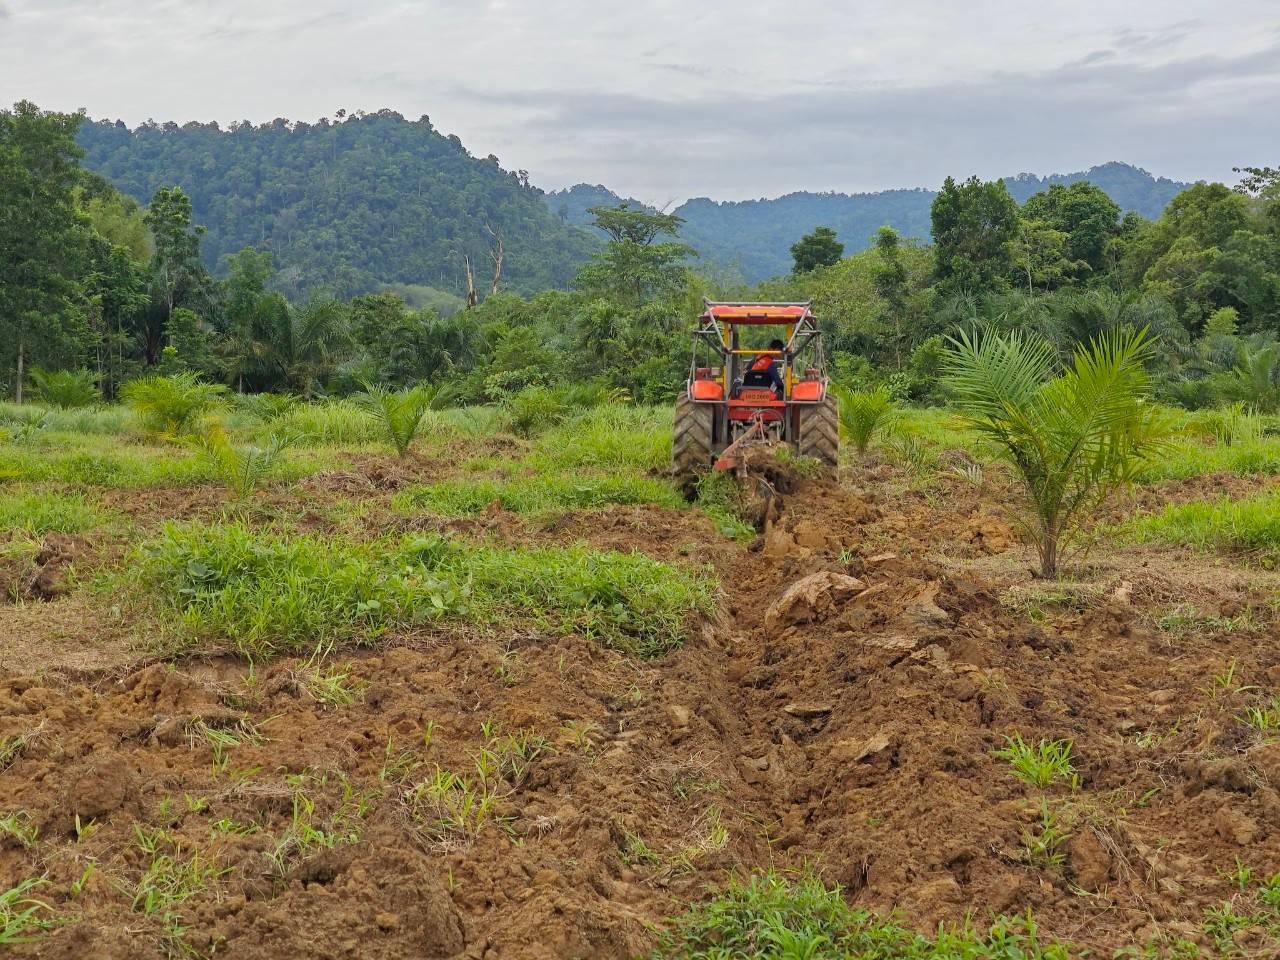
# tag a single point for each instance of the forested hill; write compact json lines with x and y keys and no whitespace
{"x":348,"y":207}
{"x":757,"y":235}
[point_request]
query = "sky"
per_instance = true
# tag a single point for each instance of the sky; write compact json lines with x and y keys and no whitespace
{"x":668,"y":99}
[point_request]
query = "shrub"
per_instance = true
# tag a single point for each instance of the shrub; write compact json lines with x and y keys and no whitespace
{"x":400,"y":412}
{"x":171,"y":406}
{"x":1072,"y":439}
{"x":66,"y":389}
{"x":534,"y":409}
{"x":863,"y":413}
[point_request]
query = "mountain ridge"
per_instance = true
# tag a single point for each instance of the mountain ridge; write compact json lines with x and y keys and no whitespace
{"x":756,"y":235}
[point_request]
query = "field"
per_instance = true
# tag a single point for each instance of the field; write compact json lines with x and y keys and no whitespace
{"x":516,"y":697}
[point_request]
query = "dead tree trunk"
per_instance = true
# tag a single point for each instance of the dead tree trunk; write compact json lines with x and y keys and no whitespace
{"x":495,"y":254}
{"x":472,"y":299}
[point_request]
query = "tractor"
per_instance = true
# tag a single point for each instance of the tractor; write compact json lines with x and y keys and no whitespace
{"x":740,"y":399}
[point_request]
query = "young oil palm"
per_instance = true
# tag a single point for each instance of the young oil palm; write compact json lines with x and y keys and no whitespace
{"x":401,"y":412}
{"x":1072,"y":439}
{"x":171,"y":406}
{"x":863,"y":413}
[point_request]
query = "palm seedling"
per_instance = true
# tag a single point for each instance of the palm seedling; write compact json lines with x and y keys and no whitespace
{"x":242,"y":468}
{"x":171,"y":406}
{"x":65,"y":388}
{"x":863,"y":413}
{"x":1072,"y":439}
{"x":400,"y":412}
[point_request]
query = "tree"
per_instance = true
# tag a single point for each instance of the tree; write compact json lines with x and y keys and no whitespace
{"x":1040,"y":253}
{"x":817,"y":249}
{"x":891,"y":286}
{"x":1072,"y":439}
{"x":178,"y":277}
{"x":974,"y":224}
{"x":43,"y":241}
{"x":1086,"y":217}
{"x":634,"y":267}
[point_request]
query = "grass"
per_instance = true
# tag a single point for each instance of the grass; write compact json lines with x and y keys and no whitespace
{"x":105,"y":420}
{"x":774,"y":918}
{"x":1232,"y":526}
{"x":448,"y":807}
{"x":267,"y":594}
{"x":1192,"y":457}
{"x":38,"y":513}
{"x":21,"y":919}
{"x":1041,"y":764}
{"x":21,"y":827}
{"x":540,"y":493}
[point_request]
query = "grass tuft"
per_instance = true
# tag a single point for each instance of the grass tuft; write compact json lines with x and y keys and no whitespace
{"x":1039,"y":764}
{"x":540,"y":493}
{"x":772,"y":918}
{"x":1234,"y":526}
{"x":38,"y":514}
{"x":268,"y":594}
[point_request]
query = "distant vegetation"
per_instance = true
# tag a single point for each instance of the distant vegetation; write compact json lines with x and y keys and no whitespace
{"x":755,"y":236}
{"x":107,"y":291}
{"x":347,"y":206}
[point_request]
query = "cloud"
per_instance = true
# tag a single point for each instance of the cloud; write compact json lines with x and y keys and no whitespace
{"x":1172,"y":117}
{"x":662,"y":98}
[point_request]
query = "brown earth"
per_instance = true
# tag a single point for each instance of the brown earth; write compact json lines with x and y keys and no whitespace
{"x":849,"y":728}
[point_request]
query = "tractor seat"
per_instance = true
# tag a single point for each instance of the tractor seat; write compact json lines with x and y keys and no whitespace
{"x":757,"y":378}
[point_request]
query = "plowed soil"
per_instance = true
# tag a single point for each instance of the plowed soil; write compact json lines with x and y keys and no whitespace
{"x":847,"y":725}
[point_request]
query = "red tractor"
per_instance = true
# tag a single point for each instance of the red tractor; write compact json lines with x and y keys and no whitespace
{"x":745,"y":395}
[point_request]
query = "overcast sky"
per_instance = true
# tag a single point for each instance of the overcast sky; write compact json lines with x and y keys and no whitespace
{"x":666,"y":99}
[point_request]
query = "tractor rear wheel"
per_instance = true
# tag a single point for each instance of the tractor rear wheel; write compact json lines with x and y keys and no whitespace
{"x":691,"y":444}
{"x":818,"y":435}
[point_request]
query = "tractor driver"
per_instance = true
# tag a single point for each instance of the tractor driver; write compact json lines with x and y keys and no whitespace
{"x":767,"y":365}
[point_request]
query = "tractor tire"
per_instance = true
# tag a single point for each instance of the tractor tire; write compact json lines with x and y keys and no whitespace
{"x":818,"y":435}
{"x":691,"y":443}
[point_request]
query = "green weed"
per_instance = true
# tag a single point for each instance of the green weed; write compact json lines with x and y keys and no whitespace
{"x":636,"y":853}
{"x":718,"y":496}
{"x":39,"y":513}
{"x":22,"y":917}
{"x":270,"y":594}
{"x":1040,"y":764}
{"x":1042,"y":847}
{"x":1265,"y":718}
{"x":447,"y":807}
{"x":771,"y":918}
{"x":1237,"y":526}
{"x":539,"y":493}
{"x":11,"y":749}
{"x":304,"y":837}
{"x":21,"y":827}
